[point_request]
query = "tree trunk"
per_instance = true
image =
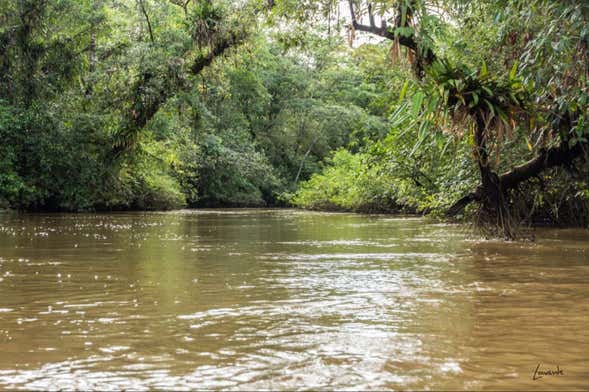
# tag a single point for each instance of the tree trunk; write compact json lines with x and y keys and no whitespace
{"x":494,"y":210}
{"x":492,"y":194}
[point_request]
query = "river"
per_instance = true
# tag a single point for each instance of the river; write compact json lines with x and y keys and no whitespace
{"x":285,"y":299}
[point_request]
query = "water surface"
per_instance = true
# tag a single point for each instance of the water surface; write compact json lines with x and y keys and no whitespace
{"x":286,"y":300}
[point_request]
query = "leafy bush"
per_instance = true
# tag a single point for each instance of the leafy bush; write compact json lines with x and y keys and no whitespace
{"x":348,"y":183}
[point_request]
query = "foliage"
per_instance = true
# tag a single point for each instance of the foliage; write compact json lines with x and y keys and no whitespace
{"x":514,"y":93}
{"x":350,"y":183}
{"x":144,"y":104}
{"x":410,"y":170}
{"x":126,"y":109}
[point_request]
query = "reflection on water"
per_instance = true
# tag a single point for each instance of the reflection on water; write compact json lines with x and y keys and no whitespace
{"x":286,"y":300}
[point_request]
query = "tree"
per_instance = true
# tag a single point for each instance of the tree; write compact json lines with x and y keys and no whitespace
{"x":541,"y":95}
{"x":80,"y":83}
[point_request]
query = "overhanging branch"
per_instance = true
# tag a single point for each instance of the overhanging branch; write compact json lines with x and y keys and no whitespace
{"x":144,"y":107}
{"x":546,"y":159}
{"x":222,"y":45}
{"x":426,"y":54}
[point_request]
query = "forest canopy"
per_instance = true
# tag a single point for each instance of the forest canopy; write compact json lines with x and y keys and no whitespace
{"x":452,"y":108}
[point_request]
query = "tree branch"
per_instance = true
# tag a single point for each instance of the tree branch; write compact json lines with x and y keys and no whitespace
{"x":371,"y":15}
{"x":222,"y":45}
{"x":145,"y":107}
{"x":146,"y":15}
{"x":546,"y":159}
{"x":407,"y":41}
{"x":461,"y":204}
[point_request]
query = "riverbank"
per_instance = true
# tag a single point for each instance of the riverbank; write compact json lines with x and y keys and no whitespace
{"x":545,"y":223}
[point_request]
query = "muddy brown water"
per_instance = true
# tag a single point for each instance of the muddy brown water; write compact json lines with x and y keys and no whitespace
{"x":281,"y":299}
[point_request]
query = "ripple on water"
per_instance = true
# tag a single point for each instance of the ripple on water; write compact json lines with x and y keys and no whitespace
{"x":282,"y":300}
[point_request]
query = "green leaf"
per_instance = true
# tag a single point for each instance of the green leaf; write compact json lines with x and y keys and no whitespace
{"x":488,"y":91}
{"x":513,"y":71}
{"x":439,"y":139}
{"x":461,"y":98}
{"x":475,"y":100}
{"x":491,"y":108}
{"x":416,"y":106}
{"x":403,"y":91}
{"x":502,"y":115}
{"x":484,"y":70}
{"x":446,"y":145}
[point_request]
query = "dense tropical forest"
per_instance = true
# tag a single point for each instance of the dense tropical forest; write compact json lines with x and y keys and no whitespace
{"x":471,"y":110}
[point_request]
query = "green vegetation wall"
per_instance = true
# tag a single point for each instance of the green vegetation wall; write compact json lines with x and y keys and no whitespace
{"x":397,"y":106}
{"x":156,"y":105}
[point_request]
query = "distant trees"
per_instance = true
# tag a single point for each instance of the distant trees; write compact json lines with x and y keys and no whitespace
{"x":159,"y":104}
